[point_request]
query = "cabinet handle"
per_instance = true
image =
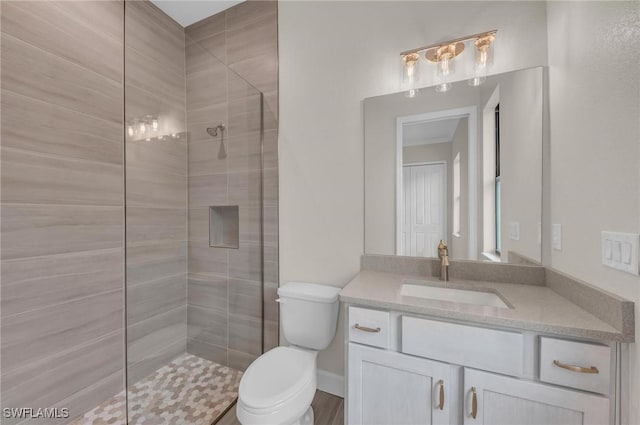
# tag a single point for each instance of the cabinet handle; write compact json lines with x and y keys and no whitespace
{"x":474,"y":403}
{"x":441,"y":395}
{"x":578,"y":369}
{"x":366,"y":329}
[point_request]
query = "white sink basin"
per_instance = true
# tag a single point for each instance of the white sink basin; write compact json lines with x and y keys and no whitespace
{"x":462,"y":296}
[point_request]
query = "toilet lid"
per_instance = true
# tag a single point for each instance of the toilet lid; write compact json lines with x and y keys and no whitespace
{"x":276,"y":376}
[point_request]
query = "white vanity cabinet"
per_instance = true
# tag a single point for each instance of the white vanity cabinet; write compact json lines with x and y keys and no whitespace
{"x":387,"y":387}
{"x":492,"y":399}
{"x":412,"y":370}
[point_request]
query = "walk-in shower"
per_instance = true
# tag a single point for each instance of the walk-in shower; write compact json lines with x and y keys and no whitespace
{"x":139,"y":208}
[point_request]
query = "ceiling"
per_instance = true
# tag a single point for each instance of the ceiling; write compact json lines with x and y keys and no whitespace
{"x":187,"y":12}
{"x":430,"y":132}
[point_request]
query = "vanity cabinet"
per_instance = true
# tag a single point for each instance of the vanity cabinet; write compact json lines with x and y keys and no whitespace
{"x":413,"y":370}
{"x":492,"y":399}
{"x":387,"y":387}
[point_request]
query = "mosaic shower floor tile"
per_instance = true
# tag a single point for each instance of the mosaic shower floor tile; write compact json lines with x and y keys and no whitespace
{"x":188,"y":391}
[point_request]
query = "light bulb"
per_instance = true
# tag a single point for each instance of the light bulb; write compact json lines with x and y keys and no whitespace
{"x":154,"y":124}
{"x":142,"y":127}
{"x":130,"y":130}
{"x":483,"y":59}
{"x":410,"y":68}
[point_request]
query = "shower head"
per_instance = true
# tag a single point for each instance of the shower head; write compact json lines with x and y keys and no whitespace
{"x":213,"y":131}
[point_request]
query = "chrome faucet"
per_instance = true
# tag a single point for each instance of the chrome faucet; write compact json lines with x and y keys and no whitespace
{"x":443,"y":255}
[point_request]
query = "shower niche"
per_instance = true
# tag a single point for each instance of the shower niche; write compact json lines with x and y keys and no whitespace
{"x":224,"y":226}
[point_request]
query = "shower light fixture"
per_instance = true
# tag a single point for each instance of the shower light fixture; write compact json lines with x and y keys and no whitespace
{"x":444,"y":54}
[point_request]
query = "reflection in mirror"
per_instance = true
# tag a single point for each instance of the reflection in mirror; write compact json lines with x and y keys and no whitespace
{"x":463,"y":166}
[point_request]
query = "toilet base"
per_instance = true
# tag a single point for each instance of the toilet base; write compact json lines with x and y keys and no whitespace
{"x":306,"y":419}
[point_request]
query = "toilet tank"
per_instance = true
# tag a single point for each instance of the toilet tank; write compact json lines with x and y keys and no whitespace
{"x":309,"y":314}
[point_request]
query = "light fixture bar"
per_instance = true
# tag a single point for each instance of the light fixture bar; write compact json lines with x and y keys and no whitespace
{"x":453,"y":41}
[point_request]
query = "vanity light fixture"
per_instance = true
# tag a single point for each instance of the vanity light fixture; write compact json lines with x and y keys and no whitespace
{"x":410,"y":72}
{"x":444,"y":54}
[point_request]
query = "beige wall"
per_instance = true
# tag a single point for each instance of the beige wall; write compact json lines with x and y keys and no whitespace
{"x":62,"y":253}
{"x":326,"y":70}
{"x":595,"y":143}
{"x":459,"y":245}
{"x":521,"y":160}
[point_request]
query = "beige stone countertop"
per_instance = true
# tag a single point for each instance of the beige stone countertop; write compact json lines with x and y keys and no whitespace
{"x":533,"y":308}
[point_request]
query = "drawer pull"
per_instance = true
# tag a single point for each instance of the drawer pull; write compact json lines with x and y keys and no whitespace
{"x":474,"y":403}
{"x":441,"y":396}
{"x":366,"y":329}
{"x":578,"y":369}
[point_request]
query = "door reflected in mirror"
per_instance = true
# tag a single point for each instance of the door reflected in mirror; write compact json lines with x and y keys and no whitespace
{"x":463,"y":166}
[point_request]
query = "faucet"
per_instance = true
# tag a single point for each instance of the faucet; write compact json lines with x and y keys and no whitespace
{"x":443,"y":255}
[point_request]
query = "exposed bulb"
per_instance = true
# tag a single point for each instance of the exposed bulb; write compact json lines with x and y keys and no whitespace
{"x":142,"y":128}
{"x":130,"y":131}
{"x":410,"y":68}
{"x":154,"y":124}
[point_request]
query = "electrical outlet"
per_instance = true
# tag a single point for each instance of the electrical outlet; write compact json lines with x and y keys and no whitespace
{"x":556,"y":237}
{"x":620,"y":251}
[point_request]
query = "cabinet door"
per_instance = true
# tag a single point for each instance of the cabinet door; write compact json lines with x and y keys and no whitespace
{"x":501,"y":400}
{"x":385,"y":387}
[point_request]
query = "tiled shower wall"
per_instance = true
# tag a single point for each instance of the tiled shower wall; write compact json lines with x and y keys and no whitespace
{"x":62,"y":204}
{"x":224,"y":306}
{"x":156,"y":190}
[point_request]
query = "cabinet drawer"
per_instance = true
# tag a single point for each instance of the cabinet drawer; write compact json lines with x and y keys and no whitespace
{"x":487,"y":349}
{"x":369,"y":327}
{"x":575,"y":364}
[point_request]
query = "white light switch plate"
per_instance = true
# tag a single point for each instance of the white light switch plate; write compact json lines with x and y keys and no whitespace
{"x":620,"y":251}
{"x":556,"y":237}
{"x":514,"y":231}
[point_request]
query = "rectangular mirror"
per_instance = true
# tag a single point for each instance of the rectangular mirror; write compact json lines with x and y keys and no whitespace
{"x":463,"y":166}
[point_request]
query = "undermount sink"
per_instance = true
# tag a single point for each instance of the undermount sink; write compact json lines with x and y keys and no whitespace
{"x":462,"y":296}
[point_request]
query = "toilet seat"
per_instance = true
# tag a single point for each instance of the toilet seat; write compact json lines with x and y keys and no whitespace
{"x":277,"y":388}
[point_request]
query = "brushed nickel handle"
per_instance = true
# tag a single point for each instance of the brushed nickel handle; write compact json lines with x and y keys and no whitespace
{"x":578,"y":369}
{"x":441,"y":395}
{"x":474,"y":403}
{"x":366,"y":329}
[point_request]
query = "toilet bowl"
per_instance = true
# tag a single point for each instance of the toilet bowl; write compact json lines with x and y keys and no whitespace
{"x":278,"y":387}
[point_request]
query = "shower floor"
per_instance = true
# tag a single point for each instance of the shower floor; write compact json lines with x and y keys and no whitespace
{"x":188,"y":391}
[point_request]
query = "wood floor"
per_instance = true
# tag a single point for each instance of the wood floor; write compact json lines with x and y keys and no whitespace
{"x":327,"y":409}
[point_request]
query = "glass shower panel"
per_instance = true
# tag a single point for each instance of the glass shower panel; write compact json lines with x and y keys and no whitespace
{"x":194,"y":223}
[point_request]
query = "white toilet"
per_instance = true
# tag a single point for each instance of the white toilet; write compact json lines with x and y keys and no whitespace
{"x":277,"y":388}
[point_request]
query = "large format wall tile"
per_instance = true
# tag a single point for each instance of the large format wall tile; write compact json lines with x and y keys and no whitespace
{"x":62,"y":203}
{"x":244,"y":37}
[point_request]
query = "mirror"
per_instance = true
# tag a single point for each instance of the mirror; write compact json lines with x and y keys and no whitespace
{"x":464,"y":166}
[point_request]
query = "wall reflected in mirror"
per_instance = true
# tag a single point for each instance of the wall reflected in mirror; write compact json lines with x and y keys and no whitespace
{"x":464,"y":166}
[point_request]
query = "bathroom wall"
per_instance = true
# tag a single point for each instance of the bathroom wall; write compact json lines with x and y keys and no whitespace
{"x":224,"y":290}
{"x":595,"y":143}
{"x":62,"y":199}
{"x":326,"y":70}
{"x":156,"y":190}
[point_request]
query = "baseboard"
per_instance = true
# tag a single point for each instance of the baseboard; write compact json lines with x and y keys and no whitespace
{"x":331,"y":383}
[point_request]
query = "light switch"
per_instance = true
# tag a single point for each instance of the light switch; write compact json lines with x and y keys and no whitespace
{"x":620,"y":251}
{"x":556,"y":237}
{"x":608,"y":250}
{"x":626,"y":252}
{"x":616,"y":251}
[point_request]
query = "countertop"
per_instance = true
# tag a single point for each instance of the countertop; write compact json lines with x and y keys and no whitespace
{"x":534,"y":308}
